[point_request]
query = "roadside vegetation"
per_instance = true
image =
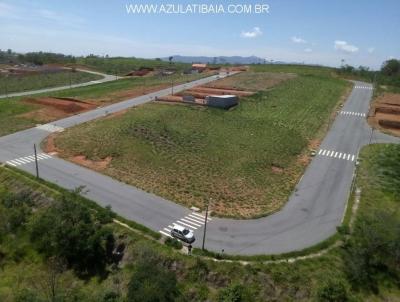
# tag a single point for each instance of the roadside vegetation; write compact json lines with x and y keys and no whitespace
{"x":247,"y":159}
{"x":46,"y":235}
{"x":20,"y":83}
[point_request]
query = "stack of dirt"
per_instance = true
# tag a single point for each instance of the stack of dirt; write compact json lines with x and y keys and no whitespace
{"x":385,"y":112}
{"x":52,"y":108}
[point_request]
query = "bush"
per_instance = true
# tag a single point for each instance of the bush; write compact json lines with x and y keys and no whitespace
{"x":234,"y":293}
{"x":374,"y":250}
{"x":172,"y":242}
{"x":71,"y":231}
{"x":333,"y":290}
{"x":151,"y":282}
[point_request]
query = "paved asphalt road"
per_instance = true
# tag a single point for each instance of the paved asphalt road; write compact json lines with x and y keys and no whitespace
{"x":106,"y":78}
{"x":311,"y":215}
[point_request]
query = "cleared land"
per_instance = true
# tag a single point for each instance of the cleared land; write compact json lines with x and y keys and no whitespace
{"x":385,"y":113}
{"x":26,"y":272}
{"x":19,"y":83}
{"x":24,"y":112}
{"x":247,"y":159}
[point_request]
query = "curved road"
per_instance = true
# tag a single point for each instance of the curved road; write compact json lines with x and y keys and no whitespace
{"x":106,"y":78}
{"x":311,"y":215}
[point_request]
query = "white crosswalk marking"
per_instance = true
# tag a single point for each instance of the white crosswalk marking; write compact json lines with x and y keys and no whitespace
{"x":352,"y":113}
{"x":364,"y":87}
{"x":337,"y":154}
{"x":192,"y":221}
{"x":27,"y":159}
{"x":50,"y":128}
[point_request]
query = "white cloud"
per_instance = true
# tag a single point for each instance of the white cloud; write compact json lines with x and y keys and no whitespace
{"x":308,"y":50}
{"x":298,"y":40}
{"x":251,"y":34}
{"x":371,"y":50}
{"x":345,"y":47}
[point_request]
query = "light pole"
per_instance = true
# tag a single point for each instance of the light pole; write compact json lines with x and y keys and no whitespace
{"x":36,"y":161}
{"x":205,"y":224}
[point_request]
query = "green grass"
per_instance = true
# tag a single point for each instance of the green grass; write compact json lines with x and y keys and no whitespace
{"x":122,"y":66}
{"x":11,"y":108}
{"x":23,"y":269}
{"x":298,"y":69}
{"x":110,"y":90}
{"x":189,"y":154}
{"x":14,"y":83}
{"x":9,"y":120}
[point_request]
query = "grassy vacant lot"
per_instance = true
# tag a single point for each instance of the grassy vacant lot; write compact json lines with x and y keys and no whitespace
{"x":122,"y":66}
{"x":247,"y":159}
{"x":15,"y":83}
{"x":12,"y":109}
{"x":28,"y":274}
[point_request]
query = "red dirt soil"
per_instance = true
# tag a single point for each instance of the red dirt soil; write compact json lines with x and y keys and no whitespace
{"x":385,"y":113}
{"x":55,"y":108}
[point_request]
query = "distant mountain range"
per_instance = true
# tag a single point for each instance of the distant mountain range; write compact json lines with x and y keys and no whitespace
{"x":218,"y":60}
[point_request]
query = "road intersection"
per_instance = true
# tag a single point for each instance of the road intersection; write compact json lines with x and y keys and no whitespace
{"x":313,"y":211}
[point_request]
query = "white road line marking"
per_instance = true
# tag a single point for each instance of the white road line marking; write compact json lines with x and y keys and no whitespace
{"x":201,"y":216}
{"x":188,"y":225}
{"x":348,"y":156}
{"x":323,"y":153}
{"x":162,"y":232}
{"x":340,"y":155}
{"x":45,"y":155}
{"x":320,"y":151}
{"x":336,"y":154}
{"x":30,"y":157}
{"x":191,"y":222}
{"x":24,"y":160}
{"x":41,"y":157}
{"x":168,"y":230}
{"x":11,"y":164}
{"x":195,"y":218}
{"x":18,"y":161}
{"x":352,"y":158}
{"x":14,"y":162}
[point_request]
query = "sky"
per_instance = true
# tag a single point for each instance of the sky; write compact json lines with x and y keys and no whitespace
{"x":355,"y":32}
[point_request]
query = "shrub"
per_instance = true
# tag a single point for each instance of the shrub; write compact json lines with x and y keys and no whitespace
{"x":151,"y":282}
{"x":234,"y":293}
{"x":71,"y":231}
{"x":334,"y":290}
{"x":172,"y":242}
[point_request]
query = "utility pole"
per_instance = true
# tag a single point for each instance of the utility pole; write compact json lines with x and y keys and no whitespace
{"x":36,"y":161}
{"x":205,"y":224}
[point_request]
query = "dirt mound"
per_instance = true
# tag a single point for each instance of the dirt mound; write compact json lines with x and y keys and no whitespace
{"x":51,"y":108}
{"x":67,"y":105}
{"x":385,"y":113}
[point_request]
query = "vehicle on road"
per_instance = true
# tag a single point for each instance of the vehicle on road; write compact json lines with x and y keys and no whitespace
{"x":182,"y":233}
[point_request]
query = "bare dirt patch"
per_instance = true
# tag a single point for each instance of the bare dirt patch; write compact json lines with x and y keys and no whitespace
{"x":97,"y":165}
{"x":55,"y":108}
{"x":385,"y":113}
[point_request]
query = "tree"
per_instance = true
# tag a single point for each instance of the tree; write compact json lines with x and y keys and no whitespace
{"x":71,"y":231}
{"x":391,"y":67}
{"x":151,"y":282}
{"x":170,"y":59}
